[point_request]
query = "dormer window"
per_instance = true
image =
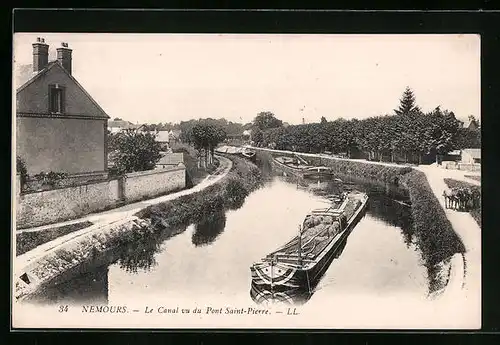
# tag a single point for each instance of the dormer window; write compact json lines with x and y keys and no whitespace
{"x":56,"y":99}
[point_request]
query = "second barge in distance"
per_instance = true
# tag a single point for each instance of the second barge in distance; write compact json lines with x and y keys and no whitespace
{"x":302,"y":261}
{"x":299,"y":167}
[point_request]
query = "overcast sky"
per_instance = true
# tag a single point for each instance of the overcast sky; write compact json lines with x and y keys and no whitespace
{"x":169,"y":78}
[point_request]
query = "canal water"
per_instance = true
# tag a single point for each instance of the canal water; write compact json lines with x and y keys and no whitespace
{"x":211,"y":260}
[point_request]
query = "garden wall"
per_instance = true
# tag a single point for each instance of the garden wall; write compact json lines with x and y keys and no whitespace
{"x":151,"y":183}
{"x":46,"y":207}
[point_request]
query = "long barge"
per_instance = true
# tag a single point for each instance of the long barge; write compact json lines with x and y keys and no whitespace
{"x":299,"y":167}
{"x":302,"y":261}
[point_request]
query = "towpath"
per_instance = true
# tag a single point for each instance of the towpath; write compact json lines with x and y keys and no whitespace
{"x":464,"y":225}
{"x":321,"y":155}
{"x":101,"y":219}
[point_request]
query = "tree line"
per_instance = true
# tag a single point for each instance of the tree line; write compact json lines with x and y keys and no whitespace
{"x":408,"y":135}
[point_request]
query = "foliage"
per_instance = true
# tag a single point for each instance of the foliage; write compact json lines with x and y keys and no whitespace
{"x":257,"y":136}
{"x":207,"y":136}
{"x":434,"y":232}
{"x":411,"y":136}
{"x":28,"y":240}
{"x":266,"y":120}
{"x":22,"y":171}
{"x":469,"y":138}
{"x":228,"y":127}
{"x":407,"y":104}
{"x":134,"y":151}
{"x":51,"y":178}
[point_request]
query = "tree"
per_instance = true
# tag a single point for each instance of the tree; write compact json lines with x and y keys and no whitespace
{"x":117,"y":119}
{"x":266,"y":120}
{"x":205,"y":137}
{"x":256,"y":136}
{"x":134,"y":151}
{"x":407,"y":104}
{"x":22,"y":171}
{"x":323,"y":119}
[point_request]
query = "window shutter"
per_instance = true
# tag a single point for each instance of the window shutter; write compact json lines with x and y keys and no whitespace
{"x":63,"y":99}
{"x":51,"y":98}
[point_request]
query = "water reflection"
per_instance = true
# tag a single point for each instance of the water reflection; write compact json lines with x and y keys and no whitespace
{"x":265,"y":295}
{"x":90,"y":286}
{"x":207,"y":231}
{"x":139,"y":254}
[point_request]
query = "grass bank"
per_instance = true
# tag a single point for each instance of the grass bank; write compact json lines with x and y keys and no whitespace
{"x":28,"y":240}
{"x":378,"y":172}
{"x":435,"y":236}
{"x":474,"y":177}
{"x":475,"y":212}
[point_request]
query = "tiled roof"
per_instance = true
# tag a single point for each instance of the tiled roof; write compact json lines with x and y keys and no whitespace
{"x":171,"y":159}
{"x":163,"y":136}
{"x":122,"y":124}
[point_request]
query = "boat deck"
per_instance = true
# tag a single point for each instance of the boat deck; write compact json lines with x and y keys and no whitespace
{"x":319,"y":231}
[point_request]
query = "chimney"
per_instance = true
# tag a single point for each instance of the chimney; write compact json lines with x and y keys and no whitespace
{"x":40,"y":55}
{"x":64,"y":56}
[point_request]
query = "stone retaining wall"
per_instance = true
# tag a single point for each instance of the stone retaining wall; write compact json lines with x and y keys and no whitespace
{"x":50,"y":206}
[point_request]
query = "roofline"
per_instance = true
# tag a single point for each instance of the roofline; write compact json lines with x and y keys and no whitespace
{"x":46,"y":69}
{"x":36,"y":76}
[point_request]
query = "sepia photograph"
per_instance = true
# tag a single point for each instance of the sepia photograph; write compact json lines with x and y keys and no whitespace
{"x":312,"y":181}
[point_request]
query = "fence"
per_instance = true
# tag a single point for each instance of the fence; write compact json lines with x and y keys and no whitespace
{"x":462,"y":166}
{"x":49,"y":206}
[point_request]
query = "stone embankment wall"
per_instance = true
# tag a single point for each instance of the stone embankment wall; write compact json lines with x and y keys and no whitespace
{"x":46,"y":207}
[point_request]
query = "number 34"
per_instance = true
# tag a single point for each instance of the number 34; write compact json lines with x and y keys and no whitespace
{"x":63,"y":308}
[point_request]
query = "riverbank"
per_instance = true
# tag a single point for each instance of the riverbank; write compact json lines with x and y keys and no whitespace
{"x":468,"y":287}
{"x":44,"y":263}
{"x":435,"y":236}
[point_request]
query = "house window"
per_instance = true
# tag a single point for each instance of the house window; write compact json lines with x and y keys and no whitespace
{"x":56,"y":98}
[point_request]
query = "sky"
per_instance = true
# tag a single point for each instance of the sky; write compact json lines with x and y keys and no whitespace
{"x":152,"y":78}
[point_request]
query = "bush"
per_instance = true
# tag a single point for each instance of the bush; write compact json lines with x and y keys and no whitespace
{"x":51,"y":178}
{"x":26,"y":241}
{"x":22,"y":171}
{"x":380,"y":172}
{"x":434,"y":233}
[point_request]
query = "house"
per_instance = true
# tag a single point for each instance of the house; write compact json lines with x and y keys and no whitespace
{"x":163,"y":137}
{"x":170,"y":160}
{"x":174,"y":136}
{"x":471,"y":156}
{"x":472,"y":123}
{"x":59,"y":126}
{"x":117,"y":126}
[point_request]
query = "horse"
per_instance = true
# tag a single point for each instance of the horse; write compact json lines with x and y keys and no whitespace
{"x":462,"y":199}
{"x":451,"y":199}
